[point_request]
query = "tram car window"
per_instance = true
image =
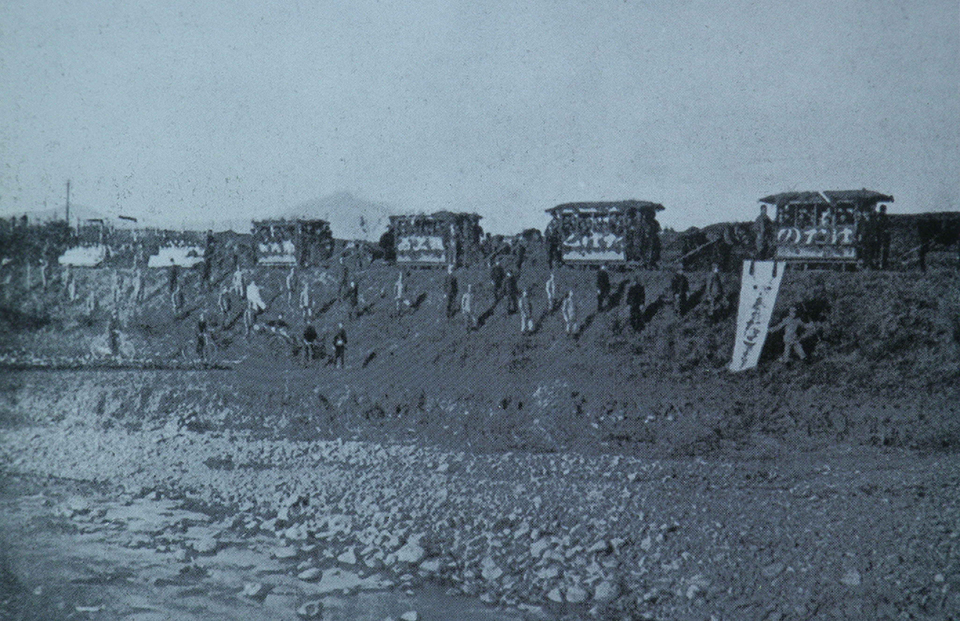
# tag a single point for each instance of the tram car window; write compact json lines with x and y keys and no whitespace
{"x":846,"y":214}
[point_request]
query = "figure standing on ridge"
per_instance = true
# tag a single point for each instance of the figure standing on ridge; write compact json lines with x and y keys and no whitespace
{"x":497,"y":276}
{"x":340,"y":347}
{"x":680,"y":287}
{"x":202,"y":337}
{"x":526,"y":312}
{"x":176,"y":299}
{"x":554,"y":254}
{"x":310,"y":337}
{"x":353,"y":298}
{"x":255,"y":305}
{"x":513,"y":293}
{"x":43,"y":271}
{"x":223,"y":302}
{"x":305,"y":308}
{"x":636,"y":298}
{"x":291,"y":282}
{"x":399,"y":294}
{"x":791,"y":326}
{"x":714,"y":292}
{"x":603,"y":288}
{"x":883,"y":237}
{"x":137,"y":286}
{"x":174,"y":276}
{"x":237,"y":284}
{"x":466,"y":307}
{"x":65,"y":279}
{"x":116,"y":287}
{"x":451,"y":286}
{"x":763,"y":232}
{"x":551,"y":289}
{"x":113,"y":333}
{"x":208,"y":255}
{"x":71,"y":286}
{"x":521,"y":253}
{"x":569,"y":313}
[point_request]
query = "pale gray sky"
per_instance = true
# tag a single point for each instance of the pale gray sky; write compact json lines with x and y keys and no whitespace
{"x":183,"y":110}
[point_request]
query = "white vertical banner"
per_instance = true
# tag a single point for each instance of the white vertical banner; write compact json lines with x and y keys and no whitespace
{"x":759,"y":286}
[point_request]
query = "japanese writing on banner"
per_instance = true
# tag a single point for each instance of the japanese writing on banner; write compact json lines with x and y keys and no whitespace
{"x":758,"y":295}
{"x":421,"y":249}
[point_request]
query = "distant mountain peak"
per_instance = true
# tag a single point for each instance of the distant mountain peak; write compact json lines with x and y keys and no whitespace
{"x":350,"y":217}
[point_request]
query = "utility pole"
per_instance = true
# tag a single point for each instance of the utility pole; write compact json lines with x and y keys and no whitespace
{"x":68,"y":203}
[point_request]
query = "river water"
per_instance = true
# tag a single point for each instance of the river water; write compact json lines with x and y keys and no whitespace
{"x":69,"y":555}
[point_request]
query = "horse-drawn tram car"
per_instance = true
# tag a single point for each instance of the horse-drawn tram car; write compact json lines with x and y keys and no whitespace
{"x":615,"y":233}
{"x":844,"y":229}
{"x":304,"y":243}
{"x":435,"y":240}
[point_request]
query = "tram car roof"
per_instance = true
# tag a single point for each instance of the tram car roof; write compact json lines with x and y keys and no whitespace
{"x":437,"y":216}
{"x":604,"y":207}
{"x":864,"y":197}
{"x":283,"y":221}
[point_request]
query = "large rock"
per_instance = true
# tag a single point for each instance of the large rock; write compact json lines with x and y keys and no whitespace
{"x":772,"y":570}
{"x":255,"y":590}
{"x":311,"y":610}
{"x":311,"y":574}
{"x":78,"y":505}
{"x":576,"y":594}
{"x":412,"y":552}
{"x":348,"y":558}
{"x":539,"y":547}
{"x":206,"y":545}
{"x":430,"y":566}
{"x":606,"y":591}
{"x":851,"y":578}
{"x":490,"y":570}
{"x":286,"y":552}
{"x":598,"y":547}
{"x":646,"y":543}
{"x":296,"y":533}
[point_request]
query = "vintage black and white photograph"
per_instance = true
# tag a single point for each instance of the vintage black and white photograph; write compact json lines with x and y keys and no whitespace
{"x":442,"y":310}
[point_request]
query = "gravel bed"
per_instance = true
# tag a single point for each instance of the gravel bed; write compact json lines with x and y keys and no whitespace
{"x":566,"y":534}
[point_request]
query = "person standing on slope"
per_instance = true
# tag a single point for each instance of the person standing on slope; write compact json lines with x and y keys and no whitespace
{"x":466,"y":307}
{"x":451,"y":286}
{"x":305,"y":301}
{"x":791,"y":326}
{"x":569,"y":313}
{"x":526,"y":312}
{"x":636,"y":298}
{"x":714,"y":292}
{"x":399,"y":293}
{"x":603,"y":288}
{"x":340,"y":347}
{"x":680,"y":287}
{"x":513,"y":293}
{"x":551,"y":289}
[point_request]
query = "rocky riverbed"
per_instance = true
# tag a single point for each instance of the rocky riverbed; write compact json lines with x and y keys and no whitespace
{"x":851,"y":533}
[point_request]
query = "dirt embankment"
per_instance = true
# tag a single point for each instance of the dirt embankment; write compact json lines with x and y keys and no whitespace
{"x":882,"y":368}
